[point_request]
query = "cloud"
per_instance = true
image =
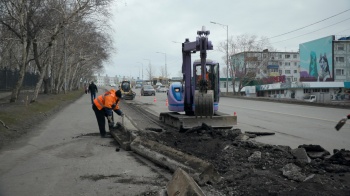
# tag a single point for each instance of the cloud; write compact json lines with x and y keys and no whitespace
{"x":143,"y":28}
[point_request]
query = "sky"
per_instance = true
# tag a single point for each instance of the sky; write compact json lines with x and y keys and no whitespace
{"x":151,"y":31}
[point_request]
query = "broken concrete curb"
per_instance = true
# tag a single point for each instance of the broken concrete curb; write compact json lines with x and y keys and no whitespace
{"x":183,"y":184}
{"x":166,"y":156}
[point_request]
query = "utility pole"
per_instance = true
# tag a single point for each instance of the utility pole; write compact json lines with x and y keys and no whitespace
{"x":227,"y":60}
{"x":149,"y":64}
{"x":142,"y":71}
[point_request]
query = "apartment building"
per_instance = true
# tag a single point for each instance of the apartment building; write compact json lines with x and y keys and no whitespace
{"x":276,"y":66}
{"x":341,"y":58}
{"x":320,"y":68}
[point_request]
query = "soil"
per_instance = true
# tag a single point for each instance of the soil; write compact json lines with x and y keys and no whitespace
{"x":246,"y":166}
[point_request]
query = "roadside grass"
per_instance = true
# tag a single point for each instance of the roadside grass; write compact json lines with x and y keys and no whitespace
{"x":17,"y":118}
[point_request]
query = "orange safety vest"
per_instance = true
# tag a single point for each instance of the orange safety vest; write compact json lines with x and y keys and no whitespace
{"x":107,"y":100}
{"x":206,"y":77}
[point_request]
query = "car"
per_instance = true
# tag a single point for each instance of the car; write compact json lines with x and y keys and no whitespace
{"x":147,"y":90}
{"x":138,"y":86}
{"x":310,"y":98}
{"x":162,"y":89}
{"x":112,"y":85}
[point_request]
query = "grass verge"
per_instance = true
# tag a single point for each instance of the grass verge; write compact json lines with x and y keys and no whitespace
{"x":18,"y":118}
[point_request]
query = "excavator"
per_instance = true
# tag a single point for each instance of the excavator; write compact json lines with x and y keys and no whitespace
{"x":195,"y":100}
{"x":125,"y":88}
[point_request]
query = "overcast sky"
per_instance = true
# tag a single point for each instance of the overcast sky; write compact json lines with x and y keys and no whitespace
{"x":144,"y":27}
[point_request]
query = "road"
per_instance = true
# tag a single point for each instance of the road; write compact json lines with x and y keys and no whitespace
{"x":292,"y":124}
{"x":66,"y":156}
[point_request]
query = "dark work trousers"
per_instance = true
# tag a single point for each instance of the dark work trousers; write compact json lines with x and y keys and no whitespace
{"x":101,"y":119}
{"x":93,"y":96}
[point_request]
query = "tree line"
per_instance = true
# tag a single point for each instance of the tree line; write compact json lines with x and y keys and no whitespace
{"x":64,"y":41}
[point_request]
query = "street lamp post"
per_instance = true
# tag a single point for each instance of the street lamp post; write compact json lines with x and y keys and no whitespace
{"x":166,"y":69}
{"x":142,"y":71}
{"x":227,"y":62}
{"x":149,"y":63}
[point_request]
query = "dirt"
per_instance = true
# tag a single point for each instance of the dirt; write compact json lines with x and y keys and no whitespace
{"x":251,"y":168}
{"x":246,"y":167}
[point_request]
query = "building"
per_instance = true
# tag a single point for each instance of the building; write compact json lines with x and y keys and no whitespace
{"x":106,"y":80}
{"x":267,"y":66}
{"x":324,"y":71}
{"x":341,"y":56}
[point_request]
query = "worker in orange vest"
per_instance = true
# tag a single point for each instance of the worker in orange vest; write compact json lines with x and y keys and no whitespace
{"x":206,"y":78}
{"x":103,"y":106}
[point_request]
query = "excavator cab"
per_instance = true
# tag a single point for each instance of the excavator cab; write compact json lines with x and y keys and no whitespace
{"x":212,"y":77}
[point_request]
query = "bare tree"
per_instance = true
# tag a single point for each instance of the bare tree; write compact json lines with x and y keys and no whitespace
{"x":150,"y":72}
{"x":244,"y":71}
{"x":39,"y":28}
{"x":16,"y":17}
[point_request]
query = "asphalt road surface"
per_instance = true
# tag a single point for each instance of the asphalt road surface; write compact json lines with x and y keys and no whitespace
{"x":66,"y":156}
{"x":292,"y":124}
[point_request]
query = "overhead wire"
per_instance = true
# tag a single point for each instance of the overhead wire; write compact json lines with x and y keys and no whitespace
{"x":309,"y":24}
{"x":311,"y":31}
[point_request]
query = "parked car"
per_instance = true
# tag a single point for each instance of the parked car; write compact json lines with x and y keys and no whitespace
{"x":162,"y":89}
{"x":310,"y":98}
{"x":147,"y":90}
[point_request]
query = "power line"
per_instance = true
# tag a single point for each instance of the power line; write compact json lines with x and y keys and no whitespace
{"x":309,"y":25}
{"x":311,"y":31}
{"x":342,"y":31}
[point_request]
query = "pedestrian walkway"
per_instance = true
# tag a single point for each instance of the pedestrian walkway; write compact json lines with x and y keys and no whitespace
{"x":66,"y":149}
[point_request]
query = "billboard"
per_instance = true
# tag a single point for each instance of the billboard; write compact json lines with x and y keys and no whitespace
{"x":316,"y":60}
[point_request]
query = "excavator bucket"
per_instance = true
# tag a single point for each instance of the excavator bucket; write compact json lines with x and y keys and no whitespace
{"x":204,"y":103}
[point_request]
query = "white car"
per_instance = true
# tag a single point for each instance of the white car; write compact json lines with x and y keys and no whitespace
{"x":162,"y":89}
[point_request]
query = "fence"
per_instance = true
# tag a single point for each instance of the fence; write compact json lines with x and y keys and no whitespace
{"x":9,"y":78}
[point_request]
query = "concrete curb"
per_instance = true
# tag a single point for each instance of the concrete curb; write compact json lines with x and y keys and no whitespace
{"x":170,"y":158}
{"x":183,"y":184}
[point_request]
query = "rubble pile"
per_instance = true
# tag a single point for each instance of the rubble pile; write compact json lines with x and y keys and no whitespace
{"x":249,"y":168}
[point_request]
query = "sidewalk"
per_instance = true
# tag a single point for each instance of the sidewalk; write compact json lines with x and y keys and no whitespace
{"x":67,"y":149}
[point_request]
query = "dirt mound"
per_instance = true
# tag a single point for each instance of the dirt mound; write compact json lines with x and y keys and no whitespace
{"x":252,"y":168}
